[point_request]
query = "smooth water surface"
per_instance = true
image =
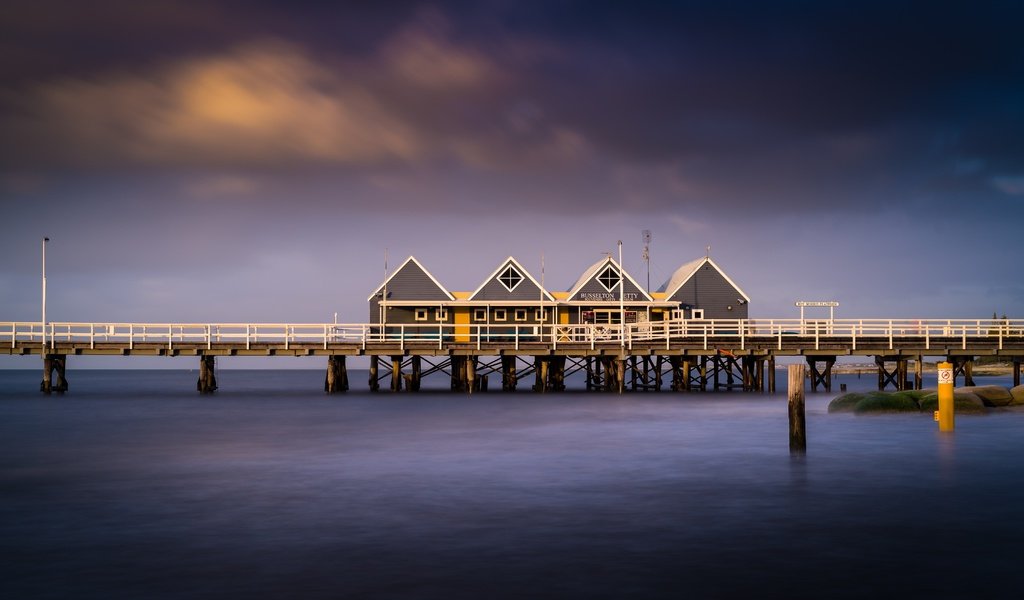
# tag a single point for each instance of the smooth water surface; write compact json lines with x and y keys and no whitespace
{"x":134,"y":486}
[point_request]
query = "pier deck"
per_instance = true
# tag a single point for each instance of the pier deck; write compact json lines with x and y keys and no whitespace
{"x":727,"y":342}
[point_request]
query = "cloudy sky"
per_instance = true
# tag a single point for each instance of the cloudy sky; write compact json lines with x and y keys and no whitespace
{"x":251,"y":161}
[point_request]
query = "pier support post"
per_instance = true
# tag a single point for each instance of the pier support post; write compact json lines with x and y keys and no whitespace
{"x":540,"y":368}
{"x":374,"y":370}
{"x":417,"y":373}
{"x":771,"y":374}
{"x":658,"y":376}
{"x":508,"y":373}
{"x":54,"y":363}
{"x":556,"y":373}
{"x":337,"y":375}
{"x":919,"y":372}
{"x":797,"y":417}
{"x":1016,"y":372}
{"x":675,"y":364}
{"x":823,"y":378}
{"x":471,"y":383}
{"x":590,"y":363}
{"x":207,"y":377}
{"x":620,"y":373}
{"x":396,"y":373}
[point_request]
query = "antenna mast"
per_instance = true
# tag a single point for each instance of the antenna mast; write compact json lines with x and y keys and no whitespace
{"x":647,"y":256}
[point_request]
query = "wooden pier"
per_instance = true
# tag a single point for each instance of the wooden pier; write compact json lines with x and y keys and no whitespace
{"x":680,"y":354}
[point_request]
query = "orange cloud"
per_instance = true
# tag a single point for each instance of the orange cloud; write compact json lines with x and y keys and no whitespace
{"x":270,"y":105}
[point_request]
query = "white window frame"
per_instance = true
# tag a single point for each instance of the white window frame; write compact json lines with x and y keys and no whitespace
{"x":697,"y":313}
{"x":541,"y":315}
{"x":421,"y":314}
{"x":479,"y":315}
{"x":522,"y":277}
{"x":441,"y":314}
{"x":520,"y":314}
{"x":600,"y":279}
{"x":500,"y":315}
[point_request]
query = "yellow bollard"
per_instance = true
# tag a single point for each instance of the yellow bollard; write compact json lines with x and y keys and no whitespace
{"x":945,"y":411}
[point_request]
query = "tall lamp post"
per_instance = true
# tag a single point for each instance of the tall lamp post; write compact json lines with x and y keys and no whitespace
{"x":622,"y":300}
{"x":42,"y":352}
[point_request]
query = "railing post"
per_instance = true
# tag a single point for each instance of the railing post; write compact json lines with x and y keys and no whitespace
{"x":890,"y":335}
{"x":170,"y":337}
{"x":247,"y":326}
{"x":743,"y":334}
{"x":131,"y":336}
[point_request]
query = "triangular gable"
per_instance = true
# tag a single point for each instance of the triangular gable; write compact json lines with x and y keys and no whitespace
{"x":688,"y":270}
{"x":527,"y":289}
{"x":412,"y":281}
{"x":589,"y":280}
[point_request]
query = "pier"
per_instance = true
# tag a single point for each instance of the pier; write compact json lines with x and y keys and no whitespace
{"x":673,"y":354}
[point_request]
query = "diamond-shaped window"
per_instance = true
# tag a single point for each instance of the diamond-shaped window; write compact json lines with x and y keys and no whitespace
{"x":510,"y":278}
{"x":609,"y":278}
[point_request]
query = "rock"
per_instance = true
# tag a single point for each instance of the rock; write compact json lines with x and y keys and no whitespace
{"x":963,"y":402}
{"x":882,"y":402}
{"x":991,"y":395}
{"x":1018,"y":395}
{"x":845,"y":403}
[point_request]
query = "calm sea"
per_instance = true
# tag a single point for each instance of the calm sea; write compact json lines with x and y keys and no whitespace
{"x":134,"y":486}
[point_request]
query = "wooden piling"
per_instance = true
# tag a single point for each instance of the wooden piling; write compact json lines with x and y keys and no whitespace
{"x":797,"y":417}
{"x":771,"y":374}
{"x":207,"y":376}
{"x":620,"y":373}
{"x":374,"y":370}
{"x":919,"y":372}
{"x":337,"y":375}
{"x":1016,"y":372}
{"x":417,"y":373}
{"x":54,"y":364}
{"x":471,"y":382}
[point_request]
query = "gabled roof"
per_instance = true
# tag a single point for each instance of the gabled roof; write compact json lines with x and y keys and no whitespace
{"x":688,"y":270}
{"x":595,"y":268}
{"x":415,"y":264}
{"x":505,"y":263}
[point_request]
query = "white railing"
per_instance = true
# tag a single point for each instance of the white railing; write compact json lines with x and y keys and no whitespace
{"x":704,"y":333}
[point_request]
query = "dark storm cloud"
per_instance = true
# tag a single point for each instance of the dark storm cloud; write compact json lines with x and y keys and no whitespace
{"x":761,"y":106}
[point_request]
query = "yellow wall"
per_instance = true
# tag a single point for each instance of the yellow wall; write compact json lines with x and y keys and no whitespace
{"x":462,"y":318}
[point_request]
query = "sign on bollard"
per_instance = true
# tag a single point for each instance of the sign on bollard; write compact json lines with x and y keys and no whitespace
{"x":945,"y":412}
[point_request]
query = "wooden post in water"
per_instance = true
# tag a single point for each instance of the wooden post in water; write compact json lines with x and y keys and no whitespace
{"x":336,"y":379}
{"x":620,"y":373}
{"x":1016,"y":372}
{"x":417,"y":373}
{"x":374,"y":368}
{"x":771,"y":374}
{"x":797,"y":419}
{"x":919,"y":372}
{"x":54,"y":363}
{"x":471,"y":385}
{"x":207,"y":379}
{"x":396,"y":373}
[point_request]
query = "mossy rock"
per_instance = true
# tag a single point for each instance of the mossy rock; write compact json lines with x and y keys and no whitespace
{"x":845,"y":403}
{"x":882,"y":402}
{"x":991,"y":395}
{"x":963,"y":402}
{"x":1018,"y":395}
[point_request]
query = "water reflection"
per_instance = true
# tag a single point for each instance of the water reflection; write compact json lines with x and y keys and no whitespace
{"x":266,"y":490}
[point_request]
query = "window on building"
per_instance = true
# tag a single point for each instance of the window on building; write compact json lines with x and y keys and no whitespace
{"x":540,"y":315}
{"x":500,"y":314}
{"x":479,"y":314}
{"x":510,"y":278}
{"x":421,"y":314}
{"x":442,"y":314}
{"x":520,"y":314}
{"x":609,"y":278}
